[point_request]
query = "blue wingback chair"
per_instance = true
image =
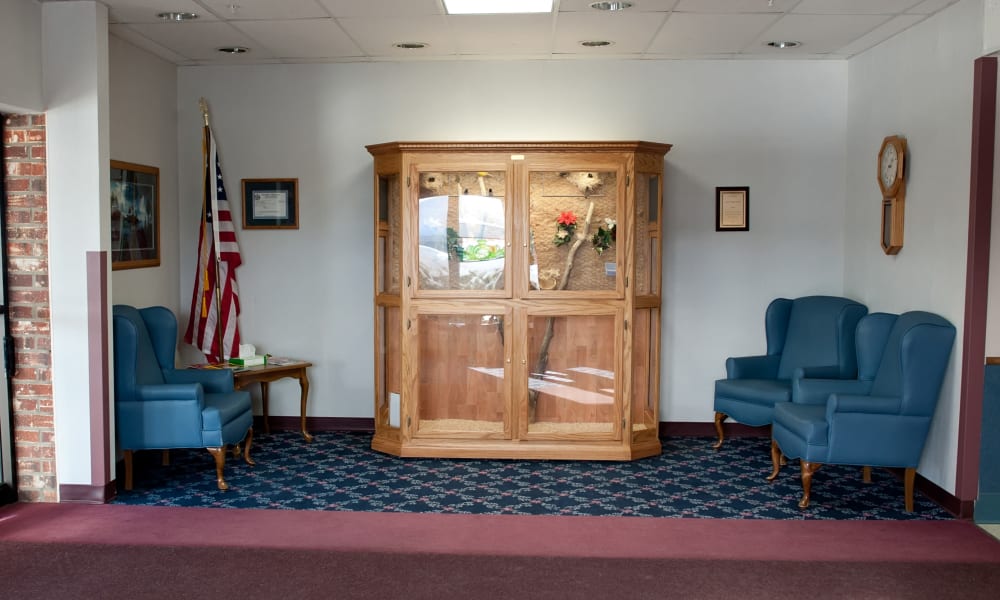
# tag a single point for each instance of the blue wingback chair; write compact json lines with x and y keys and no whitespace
{"x":811,"y":336}
{"x":880,"y":419}
{"x":159,"y":407}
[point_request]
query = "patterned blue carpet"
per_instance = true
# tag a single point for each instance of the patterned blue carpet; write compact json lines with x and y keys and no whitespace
{"x":339,"y":471}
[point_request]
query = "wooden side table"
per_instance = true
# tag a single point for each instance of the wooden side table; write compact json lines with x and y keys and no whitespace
{"x":265,"y":374}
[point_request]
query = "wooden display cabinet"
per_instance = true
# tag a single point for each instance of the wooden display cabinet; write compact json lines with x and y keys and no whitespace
{"x":517,"y":299}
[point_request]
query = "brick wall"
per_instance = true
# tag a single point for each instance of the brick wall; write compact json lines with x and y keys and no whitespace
{"x":28,"y":305}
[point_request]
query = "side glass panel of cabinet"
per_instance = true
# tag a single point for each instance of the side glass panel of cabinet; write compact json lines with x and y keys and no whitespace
{"x":462,"y":381}
{"x":462,"y":231}
{"x":647,"y":234}
{"x":389,"y":242}
{"x":645,"y":374}
{"x":573,"y":377}
{"x":388,"y":368}
{"x":572,"y":222}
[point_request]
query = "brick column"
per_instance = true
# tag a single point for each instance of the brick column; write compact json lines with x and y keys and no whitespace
{"x":28,"y":306}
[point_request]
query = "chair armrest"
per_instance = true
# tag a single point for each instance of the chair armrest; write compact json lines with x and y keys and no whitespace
{"x":215,"y":381}
{"x":179,"y":392}
{"x":847,"y":403}
{"x":753,"y":367}
{"x":817,"y":391}
{"x":818,"y":372}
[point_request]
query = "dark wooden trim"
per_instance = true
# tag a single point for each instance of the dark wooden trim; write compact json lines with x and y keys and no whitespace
{"x":287,"y":423}
{"x":731,"y":430}
{"x":970,"y":420}
{"x":7,"y":494}
{"x":87,"y":494}
{"x":98,"y":366}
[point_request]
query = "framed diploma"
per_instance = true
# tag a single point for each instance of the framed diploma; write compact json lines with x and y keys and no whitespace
{"x":732,"y":209}
{"x":270,"y":204}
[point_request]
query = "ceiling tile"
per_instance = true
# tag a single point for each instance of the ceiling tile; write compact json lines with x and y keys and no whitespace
{"x":502,"y":34}
{"x":200,"y":40}
{"x":310,"y":38}
{"x":383,"y":8}
{"x":265,"y":9}
{"x":687,"y":34}
{"x":630,"y":32}
{"x":821,"y":34}
{"x":928,"y":7}
{"x":566,"y":6}
{"x":880,"y":34}
{"x":144,"y":11}
{"x":734,"y":6}
{"x":135,"y":38}
{"x":853,"y":7}
{"x":376,"y":35}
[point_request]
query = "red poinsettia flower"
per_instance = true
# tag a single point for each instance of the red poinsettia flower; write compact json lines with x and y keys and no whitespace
{"x":566,"y":218}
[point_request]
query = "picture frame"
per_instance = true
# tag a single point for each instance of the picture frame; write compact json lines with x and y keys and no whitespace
{"x":135,"y":216}
{"x":732,"y":208}
{"x":270,"y":203}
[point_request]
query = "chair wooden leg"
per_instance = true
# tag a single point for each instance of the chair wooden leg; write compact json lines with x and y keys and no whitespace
{"x":246,"y":447}
{"x":866,"y":474}
{"x":808,"y":468}
{"x":220,"y":462}
{"x":908,"y":477}
{"x":776,"y":461}
{"x":719,"y":418}
{"x":165,"y":458}
{"x":128,"y":470}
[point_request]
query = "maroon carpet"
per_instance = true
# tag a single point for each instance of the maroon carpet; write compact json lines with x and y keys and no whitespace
{"x":101,"y":551}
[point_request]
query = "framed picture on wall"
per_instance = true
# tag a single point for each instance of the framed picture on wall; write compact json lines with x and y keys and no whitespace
{"x":135,"y":216}
{"x":270,"y":204}
{"x":732,"y":209}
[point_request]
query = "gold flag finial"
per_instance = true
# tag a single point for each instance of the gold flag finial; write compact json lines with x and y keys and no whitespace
{"x":204,"y":109}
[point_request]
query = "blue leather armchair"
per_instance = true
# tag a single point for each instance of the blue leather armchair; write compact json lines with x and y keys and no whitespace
{"x":880,"y":419}
{"x":811,"y":336}
{"x":160,"y":407}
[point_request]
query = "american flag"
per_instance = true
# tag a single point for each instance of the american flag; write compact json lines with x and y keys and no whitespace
{"x":214,"y":312}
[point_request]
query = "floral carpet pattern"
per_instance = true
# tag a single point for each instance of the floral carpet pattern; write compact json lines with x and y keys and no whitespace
{"x":340,"y":472}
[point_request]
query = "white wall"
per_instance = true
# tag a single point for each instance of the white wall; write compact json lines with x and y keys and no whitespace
{"x":777,"y":126}
{"x":143,"y":101}
{"x":21,"y":56}
{"x":919,"y":85}
{"x":76,"y":97}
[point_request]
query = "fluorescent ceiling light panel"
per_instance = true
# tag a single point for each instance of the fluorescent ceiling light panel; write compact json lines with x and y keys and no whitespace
{"x":494,"y":7}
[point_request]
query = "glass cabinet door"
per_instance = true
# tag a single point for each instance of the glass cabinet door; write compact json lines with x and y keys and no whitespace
{"x":573,"y":230}
{"x":462,"y":383}
{"x":572,"y":376}
{"x":462,"y":231}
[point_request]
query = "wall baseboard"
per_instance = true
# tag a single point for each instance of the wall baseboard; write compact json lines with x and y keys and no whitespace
{"x":87,"y":494}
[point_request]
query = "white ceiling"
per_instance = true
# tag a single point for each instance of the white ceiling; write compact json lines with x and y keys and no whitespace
{"x":298,"y":31}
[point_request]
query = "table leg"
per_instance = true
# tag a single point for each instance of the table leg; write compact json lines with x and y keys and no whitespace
{"x":304,"y":384}
{"x":263,"y":399}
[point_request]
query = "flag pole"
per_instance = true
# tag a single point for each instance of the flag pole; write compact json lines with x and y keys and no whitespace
{"x":206,"y":140}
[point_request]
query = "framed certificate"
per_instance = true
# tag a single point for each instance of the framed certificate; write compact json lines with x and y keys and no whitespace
{"x":270,"y":204}
{"x":732,"y":209}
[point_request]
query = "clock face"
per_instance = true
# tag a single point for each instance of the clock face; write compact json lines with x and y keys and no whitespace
{"x":890,"y":162}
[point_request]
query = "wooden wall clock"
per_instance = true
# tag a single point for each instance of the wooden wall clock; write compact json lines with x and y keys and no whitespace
{"x":891,"y":182}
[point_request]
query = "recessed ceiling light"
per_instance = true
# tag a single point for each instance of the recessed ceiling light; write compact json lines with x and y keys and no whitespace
{"x":784,"y":45}
{"x":595,"y":43}
{"x":611,"y":5}
{"x":234,"y":49}
{"x":494,"y":7}
{"x":410,"y":45}
{"x":177,"y":16}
